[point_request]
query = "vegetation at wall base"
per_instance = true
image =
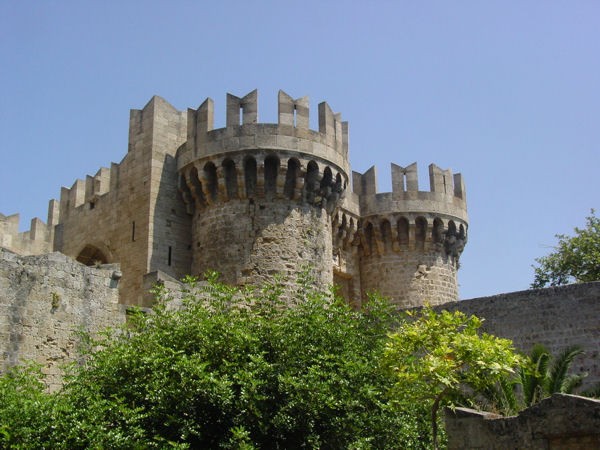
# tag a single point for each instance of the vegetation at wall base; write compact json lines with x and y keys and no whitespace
{"x":232,"y":368}
{"x":541,"y":374}
{"x":441,"y":358}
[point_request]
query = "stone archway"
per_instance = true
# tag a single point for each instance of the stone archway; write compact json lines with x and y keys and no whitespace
{"x":91,"y":256}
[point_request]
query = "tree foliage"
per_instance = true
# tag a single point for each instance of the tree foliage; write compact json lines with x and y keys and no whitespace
{"x":230,"y":368}
{"x":574,"y":259}
{"x":439,"y":358}
{"x":240,"y":369}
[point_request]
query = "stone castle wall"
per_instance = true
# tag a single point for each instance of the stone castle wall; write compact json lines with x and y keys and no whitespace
{"x":556,"y":317}
{"x":256,"y":241}
{"x":132,"y":213}
{"x":37,"y":240}
{"x":561,"y":422}
{"x":417,"y":277}
{"x":45,"y":300}
{"x":254,"y":200}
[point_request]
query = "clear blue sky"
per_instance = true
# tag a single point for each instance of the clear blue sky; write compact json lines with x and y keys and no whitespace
{"x":505,"y":92}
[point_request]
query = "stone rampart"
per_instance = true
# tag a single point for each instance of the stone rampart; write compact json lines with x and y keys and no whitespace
{"x":35,"y":241}
{"x":409,"y":240}
{"x":556,"y":317}
{"x":244,"y":133}
{"x":561,"y":422}
{"x":45,"y":300}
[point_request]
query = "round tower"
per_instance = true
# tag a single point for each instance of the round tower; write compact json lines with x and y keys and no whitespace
{"x":410,"y":241}
{"x":262,"y":195}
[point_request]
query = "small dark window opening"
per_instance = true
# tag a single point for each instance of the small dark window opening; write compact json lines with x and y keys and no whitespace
{"x":92,"y":205}
{"x":133,"y":231}
{"x":170,"y":254}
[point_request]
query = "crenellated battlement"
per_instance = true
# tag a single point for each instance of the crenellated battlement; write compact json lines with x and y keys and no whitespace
{"x":244,"y":133}
{"x":446,"y":197}
{"x":254,"y":200}
{"x":35,"y":241}
{"x":87,"y":193}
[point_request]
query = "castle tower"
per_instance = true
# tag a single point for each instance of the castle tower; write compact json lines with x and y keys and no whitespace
{"x":410,"y":241}
{"x":262,"y":195}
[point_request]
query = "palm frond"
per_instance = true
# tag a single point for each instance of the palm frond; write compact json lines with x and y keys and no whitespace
{"x":532,"y":376}
{"x":557,"y":376}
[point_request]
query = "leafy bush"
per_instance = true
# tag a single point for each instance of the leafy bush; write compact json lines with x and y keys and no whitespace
{"x":230,"y":368}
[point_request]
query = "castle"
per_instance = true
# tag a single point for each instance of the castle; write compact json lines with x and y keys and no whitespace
{"x":254,"y":200}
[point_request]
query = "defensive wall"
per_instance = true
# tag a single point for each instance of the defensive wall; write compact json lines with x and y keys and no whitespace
{"x":410,"y":241}
{"x":557,"y":317}
{"x":253,"y":201}
{"x":45,"y":300}
{"x":560,"y":422}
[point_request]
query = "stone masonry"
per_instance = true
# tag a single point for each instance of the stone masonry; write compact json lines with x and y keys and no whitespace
{"x":556,"y":317}
{"x":255,"y":201}
{"x":560,"y":422}
{"x":45,"y":300}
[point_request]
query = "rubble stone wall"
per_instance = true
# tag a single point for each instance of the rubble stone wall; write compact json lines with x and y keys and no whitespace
{"x":45,"y":300}
{"x":561,"y":422}
{"x":556,"y":317}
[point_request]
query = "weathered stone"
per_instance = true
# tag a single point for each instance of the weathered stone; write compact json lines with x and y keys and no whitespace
{"x":42,"y":313}
{"x":252,"y":200}
{"x":564,"y":422}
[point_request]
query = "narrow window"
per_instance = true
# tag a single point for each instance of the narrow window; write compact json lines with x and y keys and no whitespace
{"x":133,"y":231}
{"x":170,"y":253}
{"x":210,"y":173}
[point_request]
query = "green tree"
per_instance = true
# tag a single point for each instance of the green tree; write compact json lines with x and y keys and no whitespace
{"x":232,"y":369}
{"x":574,"y":259}
{"x":439,"y":358}
{"x":24,"y":408}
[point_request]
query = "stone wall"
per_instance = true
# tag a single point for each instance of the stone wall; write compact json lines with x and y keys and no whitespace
{"x":410,"y":278}
{"x":249,"y":243}
{"x":44,"y":300}
{"x":561,"y":422}
{"x":556,"y":317}
{"x":132,"y":213}
{"x":35,"y":241}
